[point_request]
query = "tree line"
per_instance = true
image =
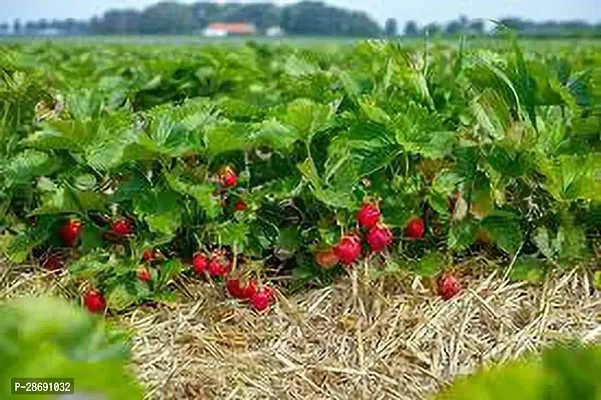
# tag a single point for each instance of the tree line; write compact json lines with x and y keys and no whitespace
{"x":303,"y":18}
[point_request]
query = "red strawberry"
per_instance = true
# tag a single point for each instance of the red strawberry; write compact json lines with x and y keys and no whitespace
{"x":448,"y":286}
{"x":70,"y":232}
{"x":415,"y":228}
{"x":219,"y":265}
{"x":121,"y":227}
{"x":239,"y":290}
{"x":262,"y":299}
{"x":94,"y":301}
{"x":379,"y":237}
{"x":249,"y":290}
{"x":144,"y":275}
{"x":148,"y":255}
{"x":326,"y":258}
{"x":53,"y":262}
{"x":369,"y":215}
{"x":199,"y":263}
{"x":240,"y":205}
{"x":228,"y":177}
{"x":230,"y":180}
{"x":348,"y":250}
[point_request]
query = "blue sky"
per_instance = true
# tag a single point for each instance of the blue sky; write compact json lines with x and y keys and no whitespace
{"x":422,"y":11}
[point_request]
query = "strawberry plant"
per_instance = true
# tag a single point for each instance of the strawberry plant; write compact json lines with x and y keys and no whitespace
{"x":51,"y":338}
{"x":239,"y":163}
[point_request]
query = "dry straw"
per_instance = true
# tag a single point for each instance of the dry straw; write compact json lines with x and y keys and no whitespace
{"x":389,"y":339}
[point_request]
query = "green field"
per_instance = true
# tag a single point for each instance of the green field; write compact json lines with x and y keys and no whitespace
{"x":496,"y":144}
{"x":531,"y":44}
{"x":135,"y":166}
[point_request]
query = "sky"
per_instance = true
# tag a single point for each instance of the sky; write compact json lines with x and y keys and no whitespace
{"x":422,"y":11}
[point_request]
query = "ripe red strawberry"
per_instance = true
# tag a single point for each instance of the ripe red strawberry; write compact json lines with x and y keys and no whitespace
{"x":200,"y":263}
{"x":148,"y":255}
{"x":326,"y":258}
{"x":121,"y":227}
{"x":70,"y":232}
{"x":220,"y":264}
{"x":240,"y":205}
{"x":94,"y":301}
{"x":228,"y":177}
{"x":379,"y":237}
{"x":262,"y":299}
{"x":348,"y":250}
{"x":53,"y":262}
{"x":239,"y":290}
{"x":448,"y":286}
{"x":249,"y":290}
{"x":415,"y":228}
{"x":369,"y":215}
{"x":144,"y":275}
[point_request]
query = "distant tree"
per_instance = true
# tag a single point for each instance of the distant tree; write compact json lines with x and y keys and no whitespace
{"x":411,"y":29}
{"x":262,"y":15}
{"x":119,"y":21}
{"x":454,"y":28}
{"x":30,"y":27}
{"x":432,"y":29}
{"x":391,"y":27}
{"x":316,"y":18}
{"x":167,"y":17}
{"x":17,"y":27}
{"x":513,"y":23}
{"x":476,"y":27}
{"x":207,"y":12}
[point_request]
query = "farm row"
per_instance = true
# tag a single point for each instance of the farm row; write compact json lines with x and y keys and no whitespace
{"x":131,"y":165}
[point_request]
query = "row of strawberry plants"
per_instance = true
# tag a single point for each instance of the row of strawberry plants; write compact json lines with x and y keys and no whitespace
{"x":292,"y":163}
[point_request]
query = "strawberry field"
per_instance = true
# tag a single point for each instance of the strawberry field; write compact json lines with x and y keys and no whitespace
{"x":269,"y":171}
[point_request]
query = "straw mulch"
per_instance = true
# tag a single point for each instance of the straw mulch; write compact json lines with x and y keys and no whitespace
{"x":386,"y":340}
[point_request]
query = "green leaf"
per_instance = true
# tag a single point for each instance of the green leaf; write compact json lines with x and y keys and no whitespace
{"x":202,"y":193}
{"x":169,"y":271}
{"x":597,"y":280}
{"x":27,"y":165}
{"x":371,"y":148}
{"x":574,"y":177}
{"x":272,"y":133}
{"x":481,"y":197}
{"x":439,"y":203}
{"x":232,"y":234}
{"x":21,"y":245}
{"x":375,"y":114}
{"x":330,"y":197}
{"x":446,"y":182}
{"x":120,"y":298}
{"x":160,"y":210}
{"x":85,"y":182}
{"x":92,"y":237}
{"x":528,"y":269}
{"x":226,"y":137}
{"x":48,"y":338}
{"x":306,"y":118}
{"x":66,"y":200}
{"x":543,"y":243}
{"x":571,"y":243}
{"x":289,"y":239}
{"x":509,"y":162}
{"x":504,"y":229}
{"x":518,"y":380}
{"x":430,"y":265}
{"x":462,"y":235}
{"x":492,"y":114}
{"x":93,"y":264}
